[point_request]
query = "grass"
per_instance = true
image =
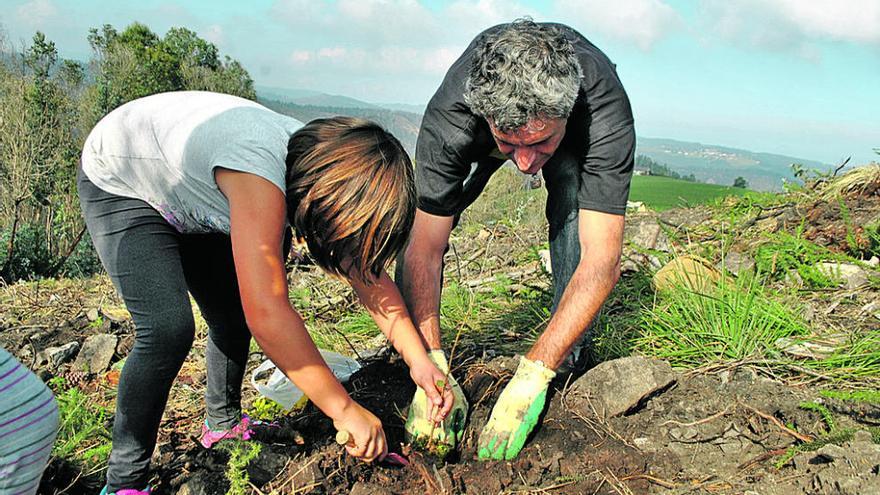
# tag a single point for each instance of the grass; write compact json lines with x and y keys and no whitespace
{"x":857,"y":396}
{"x":663,"y":193}
{"x":733,"y":322}
{"x":241,"y":453}
{"x":83,"y":438}
{"x":783,"y":253}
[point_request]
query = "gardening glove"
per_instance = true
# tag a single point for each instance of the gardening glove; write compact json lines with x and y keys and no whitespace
{"x":516,"y":412}
{"x":419,"y":427}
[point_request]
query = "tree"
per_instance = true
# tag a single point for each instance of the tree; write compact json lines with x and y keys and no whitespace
{"x":740,"y":182}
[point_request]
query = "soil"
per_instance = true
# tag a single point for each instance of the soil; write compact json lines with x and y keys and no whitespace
{"x":719,"y":431}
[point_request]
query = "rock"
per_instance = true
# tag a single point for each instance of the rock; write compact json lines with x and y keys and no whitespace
{"x":872,"y":308}
{"x":92,"y":314}
{"x":691,"y":272}
{"x":614,"y":387}
{"x":735,"y":262}
{"x":873,"y":262}
{"x":96,"y":353}
{"x":832,"y":452}
{"x":56,"y":356}
{"x":810,"y":349}
{"x":364,"y":488}
{"x":269,"y":462}
{"x":852,"y":276}
{"x":544,"y":254}
{"x":649,"y":235}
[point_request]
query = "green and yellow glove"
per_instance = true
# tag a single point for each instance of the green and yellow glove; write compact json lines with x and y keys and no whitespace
{"x":419,"y":428}
{"x":516,"y":412}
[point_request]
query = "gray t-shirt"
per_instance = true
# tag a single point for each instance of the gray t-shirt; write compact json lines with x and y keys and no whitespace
{"x":599,"y":133}
{"x":163,"y":149}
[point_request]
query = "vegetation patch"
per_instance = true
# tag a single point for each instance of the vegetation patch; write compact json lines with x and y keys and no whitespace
{"x":83,"y":438}
{"x":735,"y":321}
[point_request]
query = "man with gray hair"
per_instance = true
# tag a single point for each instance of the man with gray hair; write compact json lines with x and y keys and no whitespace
{"x":544,"y":97}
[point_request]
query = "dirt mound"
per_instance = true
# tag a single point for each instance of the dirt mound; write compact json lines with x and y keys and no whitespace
{"x":716,"y":433}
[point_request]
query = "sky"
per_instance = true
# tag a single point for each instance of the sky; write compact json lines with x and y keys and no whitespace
{"x":795,"y":77}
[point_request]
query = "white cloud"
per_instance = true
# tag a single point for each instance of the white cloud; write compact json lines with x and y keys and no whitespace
{"x":36,"y":12}
{"x":844,"y":20}
{"x":794,"y":26}
{"x":214,"y":33}
{"x":641,"y":22}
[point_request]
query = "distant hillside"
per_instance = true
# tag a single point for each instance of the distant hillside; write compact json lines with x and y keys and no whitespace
{"x":708,"y":163}
{"x":404,"y":125}
{"x":310,"y":97}
{"x":722,"y":165}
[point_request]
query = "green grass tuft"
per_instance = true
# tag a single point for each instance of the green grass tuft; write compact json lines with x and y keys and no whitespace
{"x":241,"y":453}
{"x":857,"y":396}
{"x":83,"y":439}
{"x":734,"y":322}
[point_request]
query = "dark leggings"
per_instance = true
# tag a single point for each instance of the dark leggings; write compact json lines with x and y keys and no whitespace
{"x":155,"y":268}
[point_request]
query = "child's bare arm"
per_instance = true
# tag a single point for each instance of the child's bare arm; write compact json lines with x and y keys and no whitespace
{"x":383,"y":301}
{"x":256,"y":228}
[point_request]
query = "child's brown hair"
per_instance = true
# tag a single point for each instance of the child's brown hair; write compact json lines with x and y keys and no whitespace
{"x":350,"y":194}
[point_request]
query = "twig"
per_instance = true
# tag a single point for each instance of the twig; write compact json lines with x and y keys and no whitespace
{"x":779,"y":424}
{"x":704,"y":420}
{"x":652,"y":479}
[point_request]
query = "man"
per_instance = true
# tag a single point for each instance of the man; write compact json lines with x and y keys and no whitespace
{"x":544,"y":97}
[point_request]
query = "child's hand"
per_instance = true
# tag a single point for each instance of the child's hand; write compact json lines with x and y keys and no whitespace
{"x":434,"y":383}
{"x":368,"y":439}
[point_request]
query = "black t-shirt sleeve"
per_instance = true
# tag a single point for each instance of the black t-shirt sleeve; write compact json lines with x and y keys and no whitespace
{"x":445,"y":146}
{"x":606,"y":168}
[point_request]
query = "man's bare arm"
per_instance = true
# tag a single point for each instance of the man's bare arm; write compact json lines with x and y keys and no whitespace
{"x":421,"y":278}
{"x":601,"y":240}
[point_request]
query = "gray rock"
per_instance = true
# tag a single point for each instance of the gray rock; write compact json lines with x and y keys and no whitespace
{"x":832,"y":452}
{"x":852,"y":276}
{"x":649,"y":235}
{"x":96,"y":353}
{"x":615,"y":387}
{"x":92,"y":314}
{"x":56,"y":356}
{"x":735,"y":262}
{"x":364,"y":488}
{"x":271,"y":461}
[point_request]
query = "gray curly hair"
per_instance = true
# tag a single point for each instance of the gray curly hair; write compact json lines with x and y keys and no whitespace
{"x":521,"y":72}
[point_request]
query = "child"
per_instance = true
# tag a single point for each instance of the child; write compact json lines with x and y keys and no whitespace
{"x":191,"y":192}
{"x":28,"y":426}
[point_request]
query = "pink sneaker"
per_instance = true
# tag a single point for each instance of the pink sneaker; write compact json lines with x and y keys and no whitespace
{"x":241,"y":430}
{"x":128,"y":491}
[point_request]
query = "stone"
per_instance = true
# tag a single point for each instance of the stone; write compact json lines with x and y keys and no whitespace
{"x":691,"y":272}
{"x":364,"y":488}
{"x":851,"y":276}
{"x":56,"y":356}
{"x":96,"y":353}
{"x":736,"y":262}
{"x":649,"y":235}
{"x":614,"y":387}
{"x":92,"y":314}
{"x":872,"y":308}
{"x":268,"y":463}
{"x":832,"y":452}
{"x":544,"y":254}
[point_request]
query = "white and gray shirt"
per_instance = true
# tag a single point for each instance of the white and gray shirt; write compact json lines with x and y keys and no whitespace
{"x":163,"y":149}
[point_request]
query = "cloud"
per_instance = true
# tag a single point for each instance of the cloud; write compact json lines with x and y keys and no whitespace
{"x":793,"y":26}
{"x":640,"y":22}
{"x":36,"y":12}
{"x":214,"y":33}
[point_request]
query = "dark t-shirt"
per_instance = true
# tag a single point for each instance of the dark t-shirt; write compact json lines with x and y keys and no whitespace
{"x":599,"y":131}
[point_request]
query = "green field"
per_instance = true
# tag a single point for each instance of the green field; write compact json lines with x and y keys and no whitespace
{"x":663,"y":193}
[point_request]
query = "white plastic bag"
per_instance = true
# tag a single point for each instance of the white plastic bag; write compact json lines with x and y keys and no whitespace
{"x":280,"y":389}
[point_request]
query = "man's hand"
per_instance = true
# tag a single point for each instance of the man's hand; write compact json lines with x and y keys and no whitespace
{"x":516,"y":412}
{"x":419,"y":424}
